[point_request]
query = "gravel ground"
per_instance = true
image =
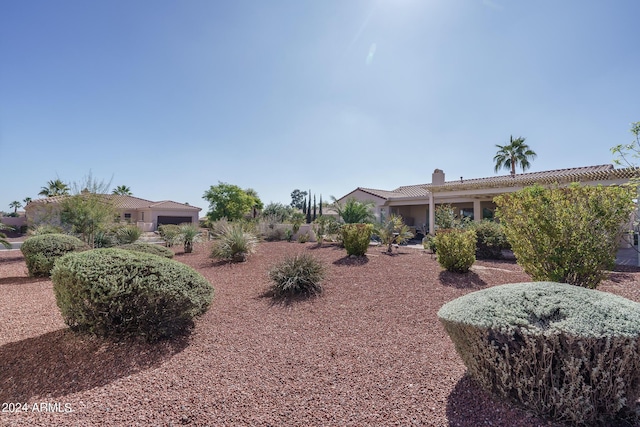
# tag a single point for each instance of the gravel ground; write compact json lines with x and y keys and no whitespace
{"x":369,"y":351}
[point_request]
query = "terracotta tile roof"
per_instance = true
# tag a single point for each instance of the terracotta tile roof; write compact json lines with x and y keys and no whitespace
{"x":579,"y":174}
{"x":126,"y":202}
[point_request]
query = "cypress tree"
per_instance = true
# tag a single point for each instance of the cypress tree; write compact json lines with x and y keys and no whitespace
{"x":314,"y":207}
{"x":320,"y":213}
{"x":309,"y":209}
{"x":304,"y":206}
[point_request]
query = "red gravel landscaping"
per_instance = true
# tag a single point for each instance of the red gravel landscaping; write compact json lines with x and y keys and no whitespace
{"x":369,"y":351}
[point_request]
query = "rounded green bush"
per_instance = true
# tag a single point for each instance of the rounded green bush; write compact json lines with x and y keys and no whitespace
{"x":456,"y":249}
{"x":300,"y":274}
{"x":42,"y":251}
{"x":356,"y":238}
{"x":120,"y":293}
{"x":564,"y":351}
{"x":148,"y":248}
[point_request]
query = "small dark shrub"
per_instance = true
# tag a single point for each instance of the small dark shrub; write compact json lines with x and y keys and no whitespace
{"x":563,"y":351}
{"x":356,"y":238}
{"x":303,"y":237}
{"x":429,"y":243}
{"x":456,"y":249}
{"x":300,"y":274}
{"x":148,"y":248}
{"x":119,"y":293}
{"x":491,"y":239}
{"x":42,"y":251}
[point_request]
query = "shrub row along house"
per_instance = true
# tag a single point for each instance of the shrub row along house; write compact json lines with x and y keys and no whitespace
{"x":147,"y":215}
{"x":473,"y":198}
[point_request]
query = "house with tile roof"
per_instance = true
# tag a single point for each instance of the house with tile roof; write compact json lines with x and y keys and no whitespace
{"x":146,"y":214}
{"x":473,"y":198}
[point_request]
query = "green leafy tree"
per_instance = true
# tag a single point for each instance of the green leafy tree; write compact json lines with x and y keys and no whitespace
{"x":567,"y":235}
{"x":15,"y":205}
{"x":393,"y":231}
{"x":626,"y":153}
{"x":277,"y":212}
{"x":298,"y":199}
{"x":228,"y":201}
{"x":88,"y":211}
{"x":514,"y":154}
{"x":55,"y":188}
{"x":353,"y":211}
{"x":122,"y":190}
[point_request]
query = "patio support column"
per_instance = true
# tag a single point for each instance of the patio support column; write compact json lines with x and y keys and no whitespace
{"x":432,"y":215}
{"x":477,"y":211}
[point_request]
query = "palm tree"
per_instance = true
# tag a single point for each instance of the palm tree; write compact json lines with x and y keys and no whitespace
{"x":26,"y":201}
{"x":354,"y":211}
{"x":516,"y":153}
{"x":122,"y":190}
{"x":54,"y":188}
{"x":257,"y":203}
{"x":15,"y":205}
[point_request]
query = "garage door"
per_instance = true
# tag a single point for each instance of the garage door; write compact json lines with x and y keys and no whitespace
{"x":164,"y":220}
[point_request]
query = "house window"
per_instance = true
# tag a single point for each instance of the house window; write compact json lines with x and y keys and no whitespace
{"x":141,"y":216}
{"x":127,"y":216}
{"x":466,"y":213}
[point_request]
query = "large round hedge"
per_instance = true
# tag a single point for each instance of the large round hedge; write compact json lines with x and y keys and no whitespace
{"x":564,"y":351}
{"x":42,"y":251}
{"x":148,"y":248}
{"x":119,"y":293}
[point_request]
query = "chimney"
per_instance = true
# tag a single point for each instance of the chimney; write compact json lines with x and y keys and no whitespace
{"x":437,"y":178}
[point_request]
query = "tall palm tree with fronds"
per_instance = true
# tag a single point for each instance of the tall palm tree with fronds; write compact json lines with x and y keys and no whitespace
{"x":15,"y":205}
{"x":54,"y":188}
{"x":122,"y":190}
{"x":26,"y":201}
{"x":514,"y":154}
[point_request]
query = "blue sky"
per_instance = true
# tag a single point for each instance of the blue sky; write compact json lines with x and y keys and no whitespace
{"x":171,"y":97}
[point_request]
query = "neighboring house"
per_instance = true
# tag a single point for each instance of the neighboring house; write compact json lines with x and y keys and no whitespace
{"x":473,"y":198}
{"x":147,"y":215}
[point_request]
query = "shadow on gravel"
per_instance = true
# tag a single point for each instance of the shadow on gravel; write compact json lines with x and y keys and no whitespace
{"x":347,"y":260}
{"x":22,"y":280}
{"x":468,"y":280}
{"x":61,"y":362}
{"x":620,"y":277}
{"x":285,"y":300}
{"x":469,"y":405}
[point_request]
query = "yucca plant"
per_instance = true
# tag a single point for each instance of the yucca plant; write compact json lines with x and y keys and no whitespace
{"x":300,"y":274}
{"x":189,"y":234}
{"x":393,"y":231}
{"x":128,"y":234}
{"x":233,"y":243}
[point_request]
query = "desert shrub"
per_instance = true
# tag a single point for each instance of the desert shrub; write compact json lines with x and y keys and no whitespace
{"x":104,"y":239}
{"x":567,"y":235}
{"x":456,"y":249}
{"x":42,"y":251}
{"x":356,"y":238}
{"x":170,"y":233}
{"x":233,"y":243}
{"x":45,"y":229}
{"x":274,"y":234}
{"x":303,"y":237}
{"x":300,"y":274}
{"x":491,"y":239}
{"x":288,"y":234}
{"x":126,"y":234}
{"x":118,"y":293}
{"x":563,"y":351}
{"x":148,"y":248}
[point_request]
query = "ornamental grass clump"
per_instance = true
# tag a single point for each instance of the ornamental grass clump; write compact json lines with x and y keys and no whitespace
{"x":120,"y":294}
{"x":563,"y":351}
{"x":41,"y":251}
{"x":233,"y":243}
{"x":300,"y":274}
{"x":148,"y":248}
{"x":456,"y":249}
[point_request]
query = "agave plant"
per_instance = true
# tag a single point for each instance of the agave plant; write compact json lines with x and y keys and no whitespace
{"x":233,"y":243}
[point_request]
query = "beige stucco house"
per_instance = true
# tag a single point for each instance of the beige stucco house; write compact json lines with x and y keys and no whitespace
{"x":473,"y":198}
{"x":147,"y":215}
